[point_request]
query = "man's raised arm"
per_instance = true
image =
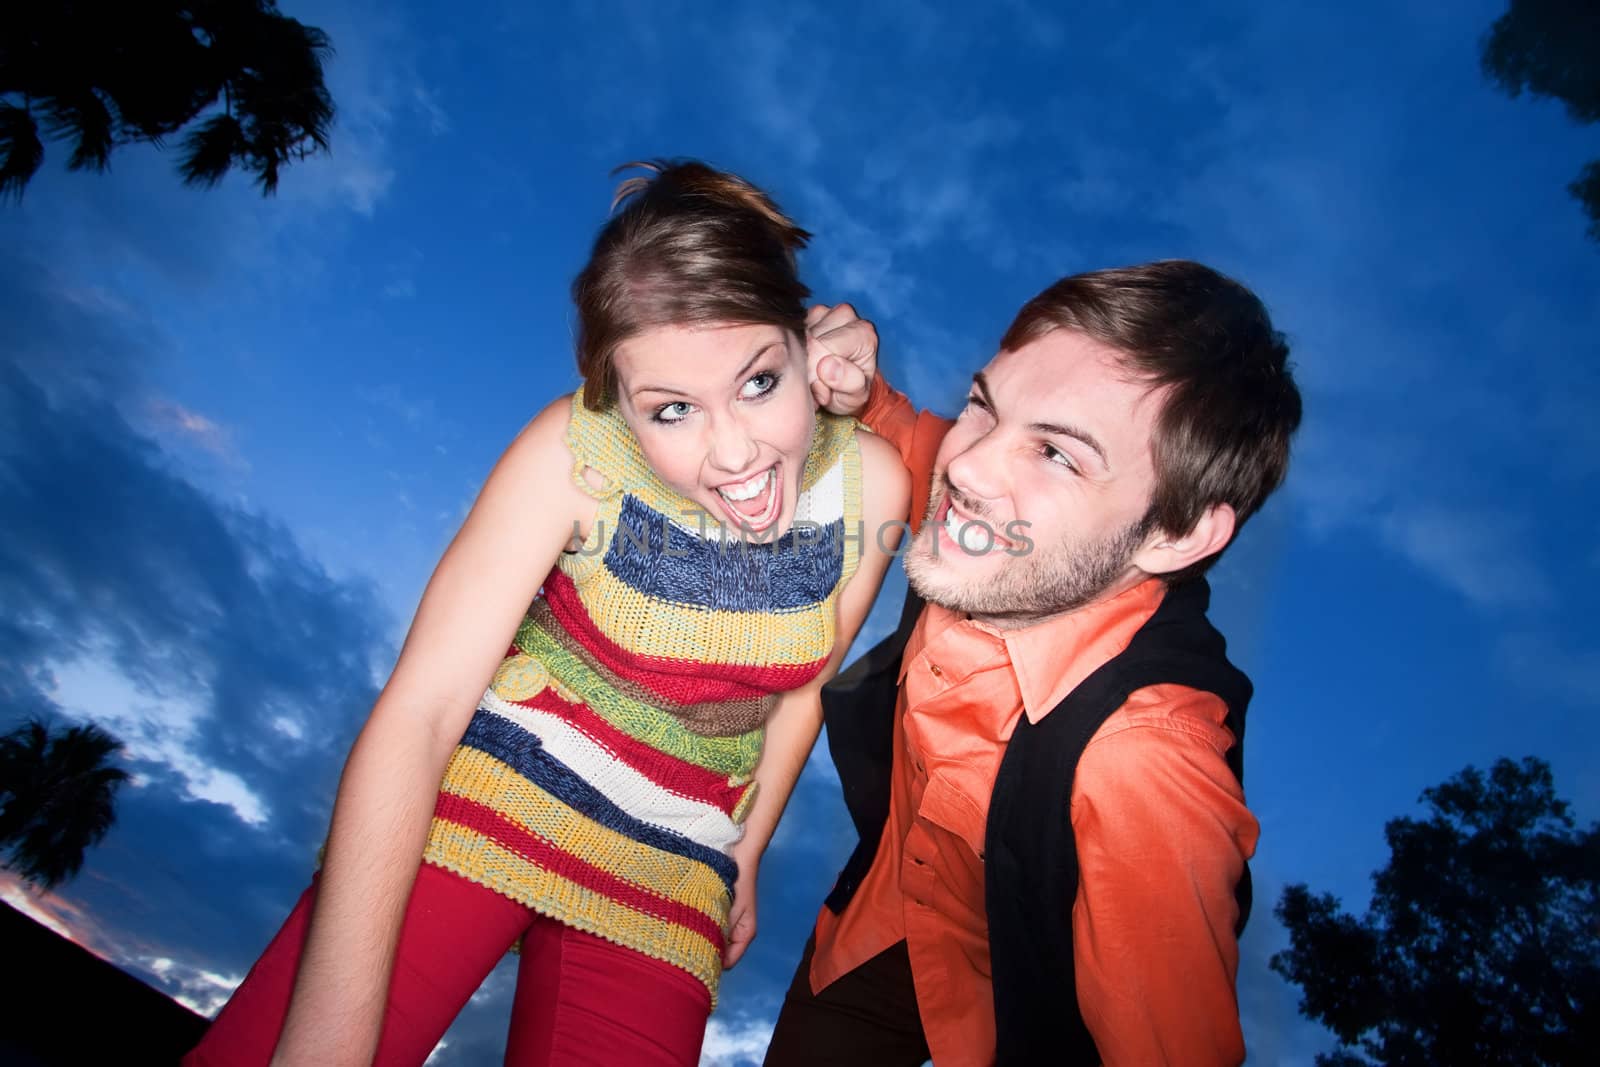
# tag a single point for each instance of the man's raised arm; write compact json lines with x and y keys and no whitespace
{"x":842,"y":350}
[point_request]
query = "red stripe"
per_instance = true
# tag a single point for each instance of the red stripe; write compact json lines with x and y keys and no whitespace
{"x":680,"y":681}
{"x":664,"y":769}
{"x":516,"y":838}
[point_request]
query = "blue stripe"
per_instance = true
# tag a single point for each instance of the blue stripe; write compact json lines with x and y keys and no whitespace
{"x":668,"y":563}
{"x":523,"y":753}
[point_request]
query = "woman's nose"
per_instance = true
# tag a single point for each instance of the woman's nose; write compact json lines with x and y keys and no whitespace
{"x":732,"y":448}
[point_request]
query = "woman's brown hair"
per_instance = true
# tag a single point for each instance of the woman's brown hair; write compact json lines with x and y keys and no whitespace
{"x":687,"y":245}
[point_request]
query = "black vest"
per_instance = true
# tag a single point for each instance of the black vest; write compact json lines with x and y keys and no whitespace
{"x":1030,"y":861}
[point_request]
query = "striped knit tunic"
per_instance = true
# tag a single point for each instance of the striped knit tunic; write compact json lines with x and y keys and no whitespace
{"x":607,"y":771}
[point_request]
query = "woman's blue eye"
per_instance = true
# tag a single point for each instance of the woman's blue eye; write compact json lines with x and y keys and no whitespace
{"x":674,"y":412}
{"x":760,"y":384}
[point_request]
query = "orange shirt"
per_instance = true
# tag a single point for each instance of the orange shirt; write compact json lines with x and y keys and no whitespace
{"x":1161,"y":826}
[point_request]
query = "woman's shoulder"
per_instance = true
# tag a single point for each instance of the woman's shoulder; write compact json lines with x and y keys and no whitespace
{"x":604,"y":456}
{"x":883,"y":473}
{"x":546,"y":433}
{"x":529,"y":492}
{"x":878,"y":457}
{"x":557,"y":440}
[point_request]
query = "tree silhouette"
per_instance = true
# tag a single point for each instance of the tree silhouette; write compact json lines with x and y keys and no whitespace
{"x":105,"y":73}
{"x":1552,"y":48}
{"x":57,"y":794}
{"x":1482,"y":944}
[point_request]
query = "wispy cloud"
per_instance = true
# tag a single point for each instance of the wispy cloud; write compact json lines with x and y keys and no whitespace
{"x":232,"y":665}
{"x":171,"y":420}
{"x":735,"y":1042}
{"x":196,"y":988}
{"x":390,"y":399}
{"x":161,"y":730}
{"x":1483,"y":556}
{"x":51,"y":910}
{"x":375,"y":83}
{"x":857,"y":259}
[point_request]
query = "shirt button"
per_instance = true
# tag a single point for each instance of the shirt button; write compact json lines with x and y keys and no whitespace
{"x":938,"y":672}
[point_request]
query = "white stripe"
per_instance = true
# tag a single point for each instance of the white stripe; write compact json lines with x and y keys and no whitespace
{"x":624,"y":786}
{"x":824,"y":501}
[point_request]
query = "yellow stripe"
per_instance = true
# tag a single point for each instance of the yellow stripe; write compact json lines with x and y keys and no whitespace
{"x":648,"y":626}
{"x":835,"y":436}
{"x":480,"y":777}
{"x":852,"y":512}
{"x":735,"y":755}
{"x":741,"y":810}
{"x":478,"y":859}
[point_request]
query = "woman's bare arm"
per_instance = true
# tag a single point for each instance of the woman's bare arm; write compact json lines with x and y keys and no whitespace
{"x":480,"y":590}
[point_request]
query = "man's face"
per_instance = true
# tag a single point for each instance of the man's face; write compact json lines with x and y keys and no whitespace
{"x":1041,"y":488}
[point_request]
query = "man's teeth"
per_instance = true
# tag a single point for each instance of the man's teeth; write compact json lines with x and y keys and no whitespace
{"x":748,"y":490}
{"x":975,"y":537}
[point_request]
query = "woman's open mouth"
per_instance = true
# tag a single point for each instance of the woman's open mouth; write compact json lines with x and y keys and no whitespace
{"x":754,"y":503}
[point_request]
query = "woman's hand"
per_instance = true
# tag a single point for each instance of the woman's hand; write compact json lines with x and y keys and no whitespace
{"x":742,"y":916}
{"x":841,"y":357}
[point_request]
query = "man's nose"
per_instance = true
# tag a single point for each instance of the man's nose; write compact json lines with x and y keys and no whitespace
{"x":732,"y":448}
{"x":979,"y":471}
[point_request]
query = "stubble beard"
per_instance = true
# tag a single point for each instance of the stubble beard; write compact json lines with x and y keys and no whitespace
{"x":1051,"y":579}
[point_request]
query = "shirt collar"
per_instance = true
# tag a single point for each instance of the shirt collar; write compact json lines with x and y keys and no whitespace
{"x":1051,"y":658}
{"x":961,"y":646}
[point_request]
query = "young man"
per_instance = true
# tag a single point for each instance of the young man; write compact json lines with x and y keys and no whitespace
{"x":1045,"y":762}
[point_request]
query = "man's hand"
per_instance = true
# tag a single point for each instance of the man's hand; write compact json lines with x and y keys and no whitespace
{"x":841,"y":357}
{"x":741,"y":917}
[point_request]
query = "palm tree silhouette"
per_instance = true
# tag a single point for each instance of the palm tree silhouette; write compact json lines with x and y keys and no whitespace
{"x":104,"y":73}
{"x":58,"y":792}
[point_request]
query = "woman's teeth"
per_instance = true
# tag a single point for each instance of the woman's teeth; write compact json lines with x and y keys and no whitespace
{"x":748,"y":490}
{"x":755,"y":502}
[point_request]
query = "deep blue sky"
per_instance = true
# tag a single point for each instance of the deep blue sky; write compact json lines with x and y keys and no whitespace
{"x":236,"y":433}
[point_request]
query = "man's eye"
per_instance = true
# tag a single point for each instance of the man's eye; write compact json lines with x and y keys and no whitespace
{"x":1055,"y":455}
{"x":974,"y":403}
{"x":674,"y":412}
{"x":759,"y":385}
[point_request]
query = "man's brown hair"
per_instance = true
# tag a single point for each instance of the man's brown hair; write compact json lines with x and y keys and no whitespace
{"x":1231,"y":404}
{"x":691,"y":245}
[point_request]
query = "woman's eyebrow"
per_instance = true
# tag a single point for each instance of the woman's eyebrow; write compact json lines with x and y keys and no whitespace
{"x":739,"y":375}
{"x":667,"y":389}
{"x":755,"y":358}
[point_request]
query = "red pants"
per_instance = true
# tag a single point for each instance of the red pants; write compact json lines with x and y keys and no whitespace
{"x":580,"y":998}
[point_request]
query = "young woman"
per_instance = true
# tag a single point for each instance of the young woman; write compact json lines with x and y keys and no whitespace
{"x":699,"y":547}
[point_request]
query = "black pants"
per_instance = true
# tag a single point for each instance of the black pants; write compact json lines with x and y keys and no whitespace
{"x":868,"y":1017}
